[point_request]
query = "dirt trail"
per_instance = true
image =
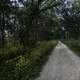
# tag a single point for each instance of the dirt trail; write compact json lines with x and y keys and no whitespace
{"x":63,"y":64}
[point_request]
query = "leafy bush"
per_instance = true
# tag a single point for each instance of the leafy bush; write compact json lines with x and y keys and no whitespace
{"x":32,"y":64}
{"x":10,"y":51}
{"x":74,"y":45}
{"x":27,"y":67}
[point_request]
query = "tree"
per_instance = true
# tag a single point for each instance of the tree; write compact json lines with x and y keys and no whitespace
{"x":4,"y":10}
{"x":70,"y":20}
{"x":26,"y":23}
{"x":32,"y":13}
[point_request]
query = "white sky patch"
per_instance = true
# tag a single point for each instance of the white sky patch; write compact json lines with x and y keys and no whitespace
{"x":69,"y":3}
{"x":19,"y":4}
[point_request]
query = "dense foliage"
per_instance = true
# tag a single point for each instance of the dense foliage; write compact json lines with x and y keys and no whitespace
{"x":74,"y":45}
{"x":70,"y":20}
{"x":23,"y":24}
{"x":26,"y":67}
{"x":26,"y":21}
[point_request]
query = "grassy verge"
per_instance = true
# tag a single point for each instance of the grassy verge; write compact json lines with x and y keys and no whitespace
{"x":10,"y":51}
{"x":27,"y":67}
{"x":74,"y":45}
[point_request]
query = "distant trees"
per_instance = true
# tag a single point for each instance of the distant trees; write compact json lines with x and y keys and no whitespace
{"x":4,"y":11}
{"x":70,"y":20}
{"x":37,"y":24}
{"x":35,"y":16}
{"x":27,"y":21}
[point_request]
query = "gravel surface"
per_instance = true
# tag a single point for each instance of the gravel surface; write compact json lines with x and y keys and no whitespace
{"x":63,"y":64}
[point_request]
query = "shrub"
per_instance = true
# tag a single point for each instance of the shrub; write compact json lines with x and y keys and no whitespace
{"x":38,"y":56}
{"x":10,"y":51}
{"x":27,"y":67}
{"x":74,"y":45}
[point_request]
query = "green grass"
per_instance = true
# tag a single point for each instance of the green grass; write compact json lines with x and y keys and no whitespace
{"x":27,"y":67}
{"x":74,"y":45}
{"x":10,"y":51}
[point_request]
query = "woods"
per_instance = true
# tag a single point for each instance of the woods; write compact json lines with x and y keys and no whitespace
{"x":30,"y":21}
{"x":27,"y":24}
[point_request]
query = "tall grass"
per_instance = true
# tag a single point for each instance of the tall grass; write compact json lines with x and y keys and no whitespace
{"x":27,"y":67}
{"x":74,"y":45}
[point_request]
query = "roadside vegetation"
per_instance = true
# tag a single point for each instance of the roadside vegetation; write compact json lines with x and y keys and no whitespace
{"x":27,"y":66}
{"x":28,"y":30}
{"x":74,"y":45}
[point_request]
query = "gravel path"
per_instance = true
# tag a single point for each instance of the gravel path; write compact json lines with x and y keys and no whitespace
{"x":63,"y":64}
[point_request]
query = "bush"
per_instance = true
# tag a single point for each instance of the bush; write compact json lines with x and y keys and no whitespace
{"x":74,"y":45}
{"x":10,"y":51}
{"x":27,"y":67}
{"x":33,"y":63}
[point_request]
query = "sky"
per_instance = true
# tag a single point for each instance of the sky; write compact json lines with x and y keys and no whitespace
{"x":20,"y":5}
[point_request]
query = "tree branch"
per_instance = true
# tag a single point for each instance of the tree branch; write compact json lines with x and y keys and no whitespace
{"x":49,"y":7}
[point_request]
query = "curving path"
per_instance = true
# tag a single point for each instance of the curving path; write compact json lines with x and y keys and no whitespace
{"x":63,"y":64}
